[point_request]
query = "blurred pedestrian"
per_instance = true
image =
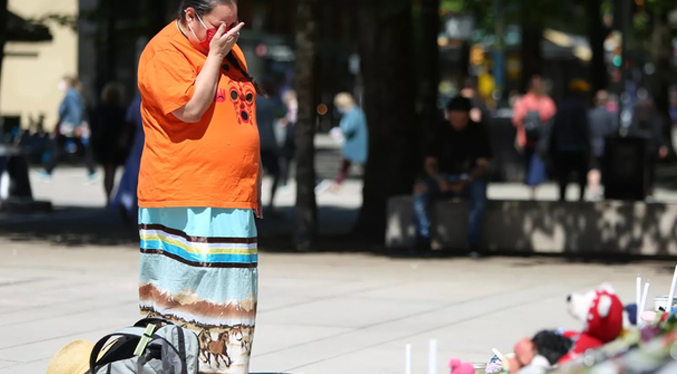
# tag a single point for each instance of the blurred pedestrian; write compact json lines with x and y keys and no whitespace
{"x":110,"y":135}
{"x":288,"y":142}
{"x":570,"y":139}
{"x":612,"y":103}
{"x":672,"y":111}
{"x":71,"y":129}
{"x":479,"y":112}
{"x":513,"y":98}
{"x":126,"y":201}
{"x":530,"y":114}
{"x":602,"y":123}
{"x":200,"y":180}
{"x":646,"y":124}
{"x":456,"y":165}
{"x":268,"y":112}
{"x":355,"y":134}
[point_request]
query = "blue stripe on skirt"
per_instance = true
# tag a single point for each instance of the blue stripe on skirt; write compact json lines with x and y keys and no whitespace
{"x":205,"y":222}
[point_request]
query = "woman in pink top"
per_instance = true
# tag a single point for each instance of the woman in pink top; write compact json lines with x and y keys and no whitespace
{"x":532,"y":112}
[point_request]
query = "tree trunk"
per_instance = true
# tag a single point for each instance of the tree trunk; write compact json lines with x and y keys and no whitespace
{"x":429,"y":74}
{"x":306,"y":206}
{"x":387,"y":65}
{"x":157,"y":15}
{"x":106,"y":44}
{"x":597,"y":33}
{"x":3,"y":32}
{"x":661,"y":50}
{"x":532,"y":35}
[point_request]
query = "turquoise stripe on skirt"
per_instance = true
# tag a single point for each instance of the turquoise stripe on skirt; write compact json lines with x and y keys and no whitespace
{"x":199,"y":268}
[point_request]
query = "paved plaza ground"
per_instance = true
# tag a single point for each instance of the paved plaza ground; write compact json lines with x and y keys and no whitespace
{"x":319,"y":313}
{"x":72,"y":274}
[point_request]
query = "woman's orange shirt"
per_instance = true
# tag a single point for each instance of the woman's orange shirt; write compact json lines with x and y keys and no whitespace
{"x":212,"y":163}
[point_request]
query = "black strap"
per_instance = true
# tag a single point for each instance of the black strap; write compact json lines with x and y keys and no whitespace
{"x":154,"y":321}
{"x":93,"y":358}
{"x":233,"y":60}
{"x":182,"y":350}
{"x":101,"y":343}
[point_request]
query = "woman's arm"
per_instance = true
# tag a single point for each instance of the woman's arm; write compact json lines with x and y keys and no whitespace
{"x":348,"y":126}
{"x":208,"y":79}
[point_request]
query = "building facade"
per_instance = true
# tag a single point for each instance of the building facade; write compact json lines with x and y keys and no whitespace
{"x":32,"y":70}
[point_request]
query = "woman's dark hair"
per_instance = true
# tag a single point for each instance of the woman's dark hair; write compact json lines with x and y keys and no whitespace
{"x":203,"y":7}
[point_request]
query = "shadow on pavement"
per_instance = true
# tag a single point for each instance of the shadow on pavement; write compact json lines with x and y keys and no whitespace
{"x":78,"y":226}
{"x":69,"y":226}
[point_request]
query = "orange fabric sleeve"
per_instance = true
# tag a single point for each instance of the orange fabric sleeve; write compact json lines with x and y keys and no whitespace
{"x":169,"y":79}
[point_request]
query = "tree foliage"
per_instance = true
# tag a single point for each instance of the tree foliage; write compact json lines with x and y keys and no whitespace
{"x":60,"y":19}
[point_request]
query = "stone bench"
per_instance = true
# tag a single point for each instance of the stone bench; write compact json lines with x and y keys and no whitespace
{"x":631,"y":228}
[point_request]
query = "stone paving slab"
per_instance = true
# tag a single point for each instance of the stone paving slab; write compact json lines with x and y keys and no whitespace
{"x":320,"y":313}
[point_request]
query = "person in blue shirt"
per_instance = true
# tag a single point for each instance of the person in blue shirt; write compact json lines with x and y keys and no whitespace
{"x":355,"y":134}
{"x":268,"y":112}
{"x":71,"y":128}
{"x":125,"y":200}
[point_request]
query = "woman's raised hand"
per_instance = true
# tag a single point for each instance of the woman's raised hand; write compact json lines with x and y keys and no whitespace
{"x":224,"y":41}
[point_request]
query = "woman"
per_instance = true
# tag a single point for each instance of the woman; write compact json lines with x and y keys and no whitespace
{"x":109,"y":135}
{"x":199,"y":181}
{"x":531,"y":113}
{"x":71,"y":127}
{"x":125,"y":200}
{"x":353,"y":129}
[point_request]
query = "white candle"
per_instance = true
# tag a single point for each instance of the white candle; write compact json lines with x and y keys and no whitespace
{"x":671,"y":295}
{"x":432,"y":357}
{"x":645,"y":296}
{"x":638,"y":298}
{"x":407,"y":359}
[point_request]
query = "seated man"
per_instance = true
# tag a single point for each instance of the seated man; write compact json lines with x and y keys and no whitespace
{"x":456,"y":166}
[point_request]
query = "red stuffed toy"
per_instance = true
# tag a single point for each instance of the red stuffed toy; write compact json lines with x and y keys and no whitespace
{"x":602,"y":312}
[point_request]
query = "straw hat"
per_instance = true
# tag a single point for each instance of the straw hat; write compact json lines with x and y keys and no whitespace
{"x":72,"y":359}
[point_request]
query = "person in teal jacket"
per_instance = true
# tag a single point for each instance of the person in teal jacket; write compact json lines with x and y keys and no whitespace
{"x":355,"y":134}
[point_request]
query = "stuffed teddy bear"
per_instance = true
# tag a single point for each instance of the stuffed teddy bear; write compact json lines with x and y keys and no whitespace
{"x":458,"y":367}
{"x":539,"y":354}
{"x":601,"y":311}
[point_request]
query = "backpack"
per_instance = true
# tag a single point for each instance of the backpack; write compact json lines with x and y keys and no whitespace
{"x":532,"y":124}
{"x":151,"y":346}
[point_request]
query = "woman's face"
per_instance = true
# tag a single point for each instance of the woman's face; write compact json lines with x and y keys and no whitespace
{"x":221,"y":14}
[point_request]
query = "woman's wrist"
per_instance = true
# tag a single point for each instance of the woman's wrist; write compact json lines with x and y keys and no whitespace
{"x":216,"y":55}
